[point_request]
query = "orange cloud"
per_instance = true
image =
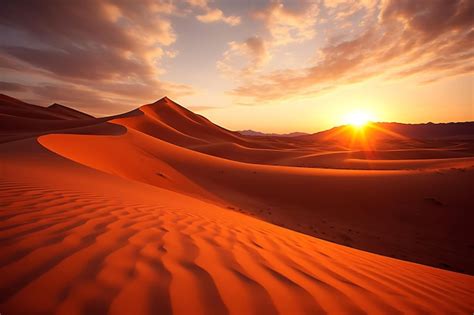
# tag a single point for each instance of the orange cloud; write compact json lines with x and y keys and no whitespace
{"x":433,"y":38}
{"x":216,"y":15}
{"x":253,"y":48}
{"x":212,"y":15}
{"x":285,"y":25}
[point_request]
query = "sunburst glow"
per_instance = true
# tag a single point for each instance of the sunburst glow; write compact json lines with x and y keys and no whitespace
{"x":358,"y":118}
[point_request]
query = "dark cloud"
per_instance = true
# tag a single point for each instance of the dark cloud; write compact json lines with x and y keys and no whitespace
{"x":89,"y":100}
{"x":98,"y":64}
{"x":12,"y":87}
{"x":431,"y":18}
{"x":64,"y":23}
{"x":110,"y":47}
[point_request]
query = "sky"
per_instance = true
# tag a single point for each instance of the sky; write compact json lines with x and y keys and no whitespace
{"x":272,"y":66}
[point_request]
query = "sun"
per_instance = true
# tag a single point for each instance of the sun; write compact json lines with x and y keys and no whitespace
{"x":358,"y":118}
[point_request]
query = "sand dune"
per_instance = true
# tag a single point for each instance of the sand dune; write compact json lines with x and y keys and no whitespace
{"x":421,"y":205}
{"x":160,"y":211}
{"x":123,"y":247}
{"x":69,"y":112}
{"x":171,"y":122}
{"x":305,"y":199}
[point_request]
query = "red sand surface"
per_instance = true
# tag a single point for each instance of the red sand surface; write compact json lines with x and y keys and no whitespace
{"x":159,"y":211}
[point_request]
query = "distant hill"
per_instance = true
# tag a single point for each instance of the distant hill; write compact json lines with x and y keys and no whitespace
{"x":69,"y":112}
{"x":254,"y":133}
{"x":174,"y":123}
{"x":398,"y":131}
{"x":14,"y":107}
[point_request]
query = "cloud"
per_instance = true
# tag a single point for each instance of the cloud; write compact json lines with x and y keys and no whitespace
{"x":212,"y":15}
{"x":286,"y":25}
{"x":341,"y":9}
{"x":81,"y":63}
{"x":343,"y":19}
{"x":12,"y":87}
{"x":198,"y":3}
{"x":216,"y":15}
{"x":427,"y":38}
{"x":90,"y":100}
{"x":110,"y":47}
{"x":253,"y":49}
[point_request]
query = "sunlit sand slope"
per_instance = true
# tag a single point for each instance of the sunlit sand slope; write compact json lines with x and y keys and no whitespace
{"x":421,"y":216}
{"x":121,"y":215}
{"x":97,"y":244}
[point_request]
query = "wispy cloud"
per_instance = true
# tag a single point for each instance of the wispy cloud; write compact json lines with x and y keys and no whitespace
{"x":282,"y":25}
{"x":252,"y":49}
{"x":286,"y":25}
{"x":406,"y":38}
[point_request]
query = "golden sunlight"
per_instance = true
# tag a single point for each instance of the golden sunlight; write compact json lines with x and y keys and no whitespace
{"x":358,"y":118}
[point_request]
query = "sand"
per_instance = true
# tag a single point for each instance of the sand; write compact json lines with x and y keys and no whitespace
{"x":107,"y":218}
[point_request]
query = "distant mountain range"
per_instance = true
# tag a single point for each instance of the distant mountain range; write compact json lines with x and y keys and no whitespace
{"x":14,"y":107}
{"x":382,"y":130}
{"x":254,"y":133}
{"x":171,"y":115}
{"x":399,"y":131}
